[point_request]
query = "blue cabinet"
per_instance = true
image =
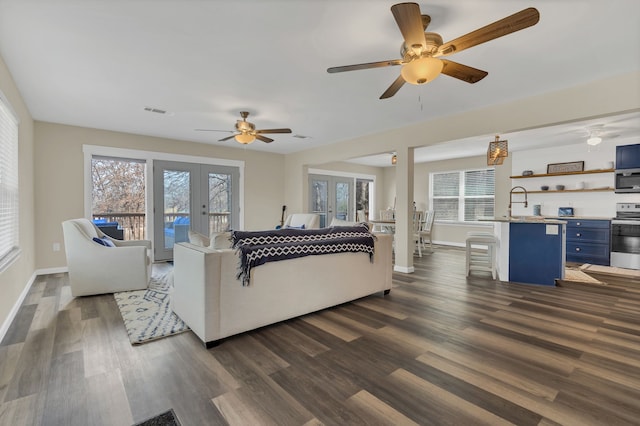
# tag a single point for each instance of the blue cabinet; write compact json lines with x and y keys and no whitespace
{"x":536,"y":253}
{"x":589,"y":241}
{"x":628,"y":156}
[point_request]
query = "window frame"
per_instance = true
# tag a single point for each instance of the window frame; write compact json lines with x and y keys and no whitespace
{"x":461,"y":198}
{"x":9,"y":183}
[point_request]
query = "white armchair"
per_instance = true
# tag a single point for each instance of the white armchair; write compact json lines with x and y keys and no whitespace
{"x":309,"y":220}
{"x":97,"y":269}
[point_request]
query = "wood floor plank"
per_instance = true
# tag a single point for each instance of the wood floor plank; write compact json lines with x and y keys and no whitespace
{"x":441,"y":348}
{"x":377,"y":412}
{"x":448,"y":405}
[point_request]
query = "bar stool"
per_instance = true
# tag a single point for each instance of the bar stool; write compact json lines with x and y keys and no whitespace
{"x":482,"y":260}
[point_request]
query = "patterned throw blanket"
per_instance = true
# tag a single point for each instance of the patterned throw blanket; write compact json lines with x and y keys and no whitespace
{"x":258,"y":247}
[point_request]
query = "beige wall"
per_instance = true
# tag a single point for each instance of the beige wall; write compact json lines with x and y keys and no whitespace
{"x":450,"y":233}
{"x":18,"y":275}
{"x":604,"y":97}
{"x":59,"y":179}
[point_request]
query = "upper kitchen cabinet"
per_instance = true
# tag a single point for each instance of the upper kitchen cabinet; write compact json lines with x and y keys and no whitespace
{"x":628,"y":157}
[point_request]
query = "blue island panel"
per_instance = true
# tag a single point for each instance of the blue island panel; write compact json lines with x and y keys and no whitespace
{"x":535,"y":256}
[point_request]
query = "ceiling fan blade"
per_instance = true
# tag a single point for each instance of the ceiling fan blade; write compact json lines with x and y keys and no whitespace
{"x":213,"y":130}
{"x":463,"y":72}
{"x":264,"y":138}
{"x":227,"y":138}
{"x":393,"y":89}
{"x":273,"y":131}
{"x":365,"y":66}
{"x":516,"y":22}
{"x":409,"y":20}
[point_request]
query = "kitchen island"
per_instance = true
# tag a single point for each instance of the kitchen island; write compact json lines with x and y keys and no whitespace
{"x":531,"y":249}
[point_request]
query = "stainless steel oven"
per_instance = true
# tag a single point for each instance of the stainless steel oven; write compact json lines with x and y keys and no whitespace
{"x":625,"y":236}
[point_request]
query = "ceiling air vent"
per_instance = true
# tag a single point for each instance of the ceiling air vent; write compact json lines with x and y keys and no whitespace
{"x":156,"y":110}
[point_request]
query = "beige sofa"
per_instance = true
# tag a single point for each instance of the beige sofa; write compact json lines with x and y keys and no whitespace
{"x":212,"y":301}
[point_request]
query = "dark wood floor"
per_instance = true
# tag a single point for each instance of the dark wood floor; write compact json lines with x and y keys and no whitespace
{"x":440,"y":349}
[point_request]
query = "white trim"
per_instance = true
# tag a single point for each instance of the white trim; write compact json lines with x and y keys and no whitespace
{"x":404,"y":269}
{"x":57,"y":270}
{"x":16,"y":307}
{"x":340,"y":174}
{"x":13,"y":112}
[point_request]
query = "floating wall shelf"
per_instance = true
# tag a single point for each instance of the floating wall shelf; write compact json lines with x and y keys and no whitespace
{"x":585,"y":172}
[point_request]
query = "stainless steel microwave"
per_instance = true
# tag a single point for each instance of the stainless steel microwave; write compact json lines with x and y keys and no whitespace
{"x":627,"y":180}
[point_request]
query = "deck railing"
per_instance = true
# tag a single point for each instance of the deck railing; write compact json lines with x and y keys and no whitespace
{"x":133,"y":224}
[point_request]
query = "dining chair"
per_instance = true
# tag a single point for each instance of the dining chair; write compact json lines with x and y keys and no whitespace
{"x":387,"y":215}
{"x":427,"y":227}
{"x":418,"y":221}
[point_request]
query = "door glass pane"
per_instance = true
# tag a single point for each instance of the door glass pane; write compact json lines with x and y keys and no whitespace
{"x":219,"y":202}
{"x":342,"y":201}
{"x":177,"y":209}
{"x":319,"y":200}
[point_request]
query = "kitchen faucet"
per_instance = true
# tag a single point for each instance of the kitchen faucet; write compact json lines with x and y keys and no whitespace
{"x":511,"y":202}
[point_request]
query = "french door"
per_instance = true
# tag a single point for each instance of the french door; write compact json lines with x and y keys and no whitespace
{"x":187,"y":196}
{"x":331,"y":197}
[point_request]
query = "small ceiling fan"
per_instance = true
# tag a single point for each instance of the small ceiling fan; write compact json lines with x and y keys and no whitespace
{"x":247,"y":132}
{"x":420,"y":50}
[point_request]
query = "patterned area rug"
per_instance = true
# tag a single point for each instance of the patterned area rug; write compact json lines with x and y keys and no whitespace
{"x":579,"y":276}
{"x":146,"y":313}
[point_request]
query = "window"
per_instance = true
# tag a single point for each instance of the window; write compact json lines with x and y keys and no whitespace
{"x":118,"y":196}
{"x":9,"y":237}
{"x":462,"y":196}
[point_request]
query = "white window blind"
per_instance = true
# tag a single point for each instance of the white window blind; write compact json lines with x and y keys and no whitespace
{"x":8,"y":185}
{"x":462,"y":196}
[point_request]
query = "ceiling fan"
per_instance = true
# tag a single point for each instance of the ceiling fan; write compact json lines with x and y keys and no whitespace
{"x":247,"y":132}
{"x":420,"y":50}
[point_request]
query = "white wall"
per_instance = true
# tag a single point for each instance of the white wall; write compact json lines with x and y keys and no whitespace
{"x":588,"y":204}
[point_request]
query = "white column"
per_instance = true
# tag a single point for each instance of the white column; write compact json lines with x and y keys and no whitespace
{"x":404,"y":245}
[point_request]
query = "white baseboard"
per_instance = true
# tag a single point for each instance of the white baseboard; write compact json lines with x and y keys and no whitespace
{"x":404,"y":269}
{"x":58,"y":270}
{"x":450,"y":243}
{"x":16,"y":307}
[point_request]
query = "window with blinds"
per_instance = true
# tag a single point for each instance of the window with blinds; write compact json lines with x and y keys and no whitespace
{"x":9,"y":249}
{"x":462,"y":196}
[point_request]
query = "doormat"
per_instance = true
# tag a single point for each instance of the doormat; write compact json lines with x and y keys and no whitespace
{"x":165,"y":419}
{"x":610,"y":270}
{"x":579,"y":276}
{"x":147,"y":314}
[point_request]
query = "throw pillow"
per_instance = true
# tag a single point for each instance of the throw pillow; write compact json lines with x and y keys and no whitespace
{"x":340,"y":222}
{"x":294,"y":227}
{"x":104,"y":241}
{"x":220,"y":241}
{"x":198,"y":239}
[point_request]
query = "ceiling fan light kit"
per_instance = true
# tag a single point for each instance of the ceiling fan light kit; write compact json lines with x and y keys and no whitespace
{"x":594,"y":140}
{"x":247,"y":132}
{"x":421,"y":50}
{"x":244,"y":138}
{"x":422,"y":70}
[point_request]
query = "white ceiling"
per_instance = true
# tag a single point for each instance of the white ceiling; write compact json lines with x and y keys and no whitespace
{"x":98,"y":64}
